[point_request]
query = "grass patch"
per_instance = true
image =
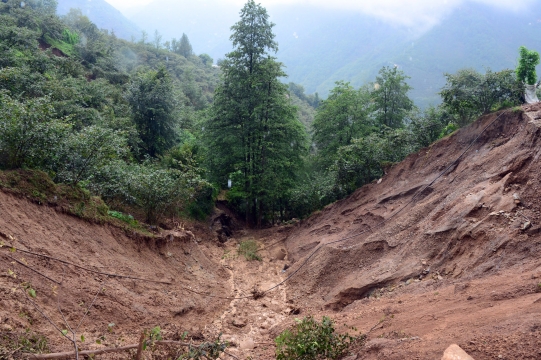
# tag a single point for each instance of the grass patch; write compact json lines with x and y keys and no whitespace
{"x":13,"y":346}
{"x":248,"y":249}
{"x":38,"y":187}
{"x":128,"y":219}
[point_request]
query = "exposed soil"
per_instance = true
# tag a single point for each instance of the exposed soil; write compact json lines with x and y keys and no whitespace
{"x":458,"y":265}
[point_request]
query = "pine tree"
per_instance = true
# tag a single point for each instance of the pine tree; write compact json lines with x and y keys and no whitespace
{"x":150,"y":95}
{"x":184,"y":46}
{"x":253,"y":135}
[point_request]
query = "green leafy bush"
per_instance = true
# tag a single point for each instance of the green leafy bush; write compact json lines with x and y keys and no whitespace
{"x":310,"y":339}
{"x":525,"y":71}
{"x":128,"y":219}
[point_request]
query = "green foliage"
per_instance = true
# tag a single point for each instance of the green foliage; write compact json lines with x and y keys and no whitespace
{"x":391,"y":102}
{"x":248,"y":249}
{"x":150,"y":95}
{"x":128,"y":219}
{"x":527,"y":62}
{"x":310,"y":339}
{"x":206,"y":59}
{"x":253,"y":131}
{"x":33,"y":343}
{"x":469,"y":94}
{"x":206,"y":350}
{"x":345,"y":115}
{"x":182,"y":46}
{"x":29,"y":133}
{"x":82,"y":153}
{"x":449,"y":129}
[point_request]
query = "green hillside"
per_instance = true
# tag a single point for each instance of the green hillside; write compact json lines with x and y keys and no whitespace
{"x":103,"y":15}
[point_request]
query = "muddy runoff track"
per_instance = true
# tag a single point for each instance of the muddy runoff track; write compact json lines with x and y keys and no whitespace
{"x":183,"y":281}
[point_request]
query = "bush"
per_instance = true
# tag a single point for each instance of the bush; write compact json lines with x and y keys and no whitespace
{"x":29,"y":133}
{"x":248,"y":249}
{"x":310,"y":339}
{"x":469,"y":94}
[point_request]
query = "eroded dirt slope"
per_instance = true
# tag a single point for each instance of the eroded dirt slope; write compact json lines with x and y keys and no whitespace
{"x":459,"y":264}
{"x":181,"y":258}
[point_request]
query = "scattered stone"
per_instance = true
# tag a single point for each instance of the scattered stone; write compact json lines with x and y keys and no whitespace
{"x":470,"y":297}
{"x":516,"y":197}
{"x":454,"y":352}
{"x":247,"y":344}
{"x":423,"y":262}
{"x":240,"y":323}
{"x":526,"y":225}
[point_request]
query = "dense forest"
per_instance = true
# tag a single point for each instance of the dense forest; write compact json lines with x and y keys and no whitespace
{"x":148,"y":124}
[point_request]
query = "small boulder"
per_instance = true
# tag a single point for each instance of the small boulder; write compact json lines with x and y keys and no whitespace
{"x":247,"y":344}
{"x":240,"y":323}
{"x":454,"y":352}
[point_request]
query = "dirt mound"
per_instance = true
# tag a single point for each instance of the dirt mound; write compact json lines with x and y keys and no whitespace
{"x":480,"y":220}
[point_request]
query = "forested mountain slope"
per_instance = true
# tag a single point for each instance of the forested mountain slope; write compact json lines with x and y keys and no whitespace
{"x":321,"y":46}
{"x":104,"y":15}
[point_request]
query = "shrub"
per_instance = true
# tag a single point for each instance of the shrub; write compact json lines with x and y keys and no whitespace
{"x":29,"y":133}
{"x":525,"y":71}
{"x":310,"y":339}
{"x":248,"y":249}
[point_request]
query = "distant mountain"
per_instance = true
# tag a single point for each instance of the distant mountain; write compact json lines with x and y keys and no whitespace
{"x":206,"y":22}
{"x":320,"y":46}
{"x":104,"y":15}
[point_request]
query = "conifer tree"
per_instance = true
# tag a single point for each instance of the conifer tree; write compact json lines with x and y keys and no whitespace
{"x":184,"y":47}
{"x":253,"y":136}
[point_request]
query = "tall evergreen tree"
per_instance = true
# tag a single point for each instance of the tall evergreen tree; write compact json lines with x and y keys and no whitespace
{"x":253,"y":136}
{"x":150,"y":95}
{"x":184,"y":46}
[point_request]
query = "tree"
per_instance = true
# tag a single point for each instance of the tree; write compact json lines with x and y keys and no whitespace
{"x":150,"y":95}
{"x":391,"y":101}
{"x":84,"y":152}
{"x":469,"y":94}
{"x":525,"y":71}
{"x":29,"y":132}
{"x":157,"y":39}
{"x":144,"y":37}
{"x":253,"y":135}
{"x":339,"y":119}
{"x":184,"y":47}
{"x":206,"y":59}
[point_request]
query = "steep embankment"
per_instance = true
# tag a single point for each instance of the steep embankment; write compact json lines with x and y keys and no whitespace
{"x":458,"y":263}
{"x":178,"y":257}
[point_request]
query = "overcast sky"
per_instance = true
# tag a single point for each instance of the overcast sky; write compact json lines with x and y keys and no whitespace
{"x":404,"y":12}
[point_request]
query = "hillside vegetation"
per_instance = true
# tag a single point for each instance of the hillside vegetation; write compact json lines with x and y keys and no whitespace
{"x":137,"y":122}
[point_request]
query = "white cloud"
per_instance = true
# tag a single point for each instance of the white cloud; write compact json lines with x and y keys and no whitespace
{"x":417,"y":13}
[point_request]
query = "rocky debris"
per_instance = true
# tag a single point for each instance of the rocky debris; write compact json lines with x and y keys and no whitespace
{"x":455,"y":352}
{"x":247,"y":344}
{"x":240,"y":323}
